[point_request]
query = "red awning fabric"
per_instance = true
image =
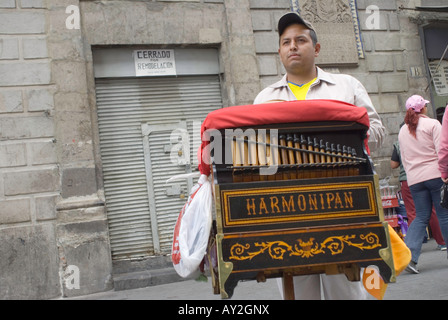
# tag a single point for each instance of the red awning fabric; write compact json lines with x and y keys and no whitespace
{"x":278,"y":112}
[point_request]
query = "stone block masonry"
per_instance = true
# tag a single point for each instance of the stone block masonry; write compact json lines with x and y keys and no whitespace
{"x":27,"y":22}
{"x":29,"y":264}
{"x":28,"y":164}
{"x":29,"y":173}
{"x":31,"y":182}
{"x":46,"y":157}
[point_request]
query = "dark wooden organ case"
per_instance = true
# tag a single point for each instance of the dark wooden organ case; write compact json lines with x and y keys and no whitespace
{"x":320,"y":212}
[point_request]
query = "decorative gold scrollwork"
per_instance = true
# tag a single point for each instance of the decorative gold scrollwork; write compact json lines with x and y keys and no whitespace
{"x":305,"y":249}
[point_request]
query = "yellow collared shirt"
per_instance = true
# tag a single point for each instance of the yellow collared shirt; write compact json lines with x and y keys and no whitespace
{"x":300,"y":91}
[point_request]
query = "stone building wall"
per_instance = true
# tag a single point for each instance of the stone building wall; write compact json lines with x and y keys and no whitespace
{"x":52,"y":214}
{"x":29,"y":171}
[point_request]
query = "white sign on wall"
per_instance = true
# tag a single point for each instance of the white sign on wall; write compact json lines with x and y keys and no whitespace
{"x":440,"y":76}
{"x":154,"y":62}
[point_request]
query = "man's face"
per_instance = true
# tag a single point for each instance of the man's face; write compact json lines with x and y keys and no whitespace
{"x":297,"y":51}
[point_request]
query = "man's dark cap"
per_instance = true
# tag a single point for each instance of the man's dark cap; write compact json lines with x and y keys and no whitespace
{"x":291,"y":18}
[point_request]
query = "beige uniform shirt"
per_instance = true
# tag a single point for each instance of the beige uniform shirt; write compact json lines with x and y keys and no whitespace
{"x":335,"y":87}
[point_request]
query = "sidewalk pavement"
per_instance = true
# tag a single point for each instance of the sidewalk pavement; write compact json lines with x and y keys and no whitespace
{"x":430,"y":284}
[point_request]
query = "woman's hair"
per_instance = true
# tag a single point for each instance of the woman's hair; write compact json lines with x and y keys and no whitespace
{"x":411,"y":119}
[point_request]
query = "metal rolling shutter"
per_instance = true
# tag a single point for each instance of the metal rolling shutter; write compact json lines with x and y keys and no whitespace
{"x":123,"y":105}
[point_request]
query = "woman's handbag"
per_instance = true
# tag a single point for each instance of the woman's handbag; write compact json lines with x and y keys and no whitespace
{"x":444,"y":196}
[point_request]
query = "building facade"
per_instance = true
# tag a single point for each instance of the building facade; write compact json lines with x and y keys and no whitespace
{"x":96,"y":96}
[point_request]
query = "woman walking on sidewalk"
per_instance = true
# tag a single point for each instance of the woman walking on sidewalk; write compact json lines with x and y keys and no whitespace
{"x":419,"y":144}
{"x":443,"y":151}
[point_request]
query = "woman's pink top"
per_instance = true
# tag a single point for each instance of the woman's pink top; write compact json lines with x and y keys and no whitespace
{"x":419,"y":156}
{"x":443,"y":148}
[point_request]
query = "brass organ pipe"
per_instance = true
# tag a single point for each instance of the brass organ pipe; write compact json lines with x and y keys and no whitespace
{"x":350,"y":169}
{"x":328,"y":151}
{"x":307,"y":150}
{"x":316,"y":148}
{"x":310,"y":148}
{"x":248,"y":154}
{"x":274,"y":157}
{"x":297,"y":146}
{"x":290,"y":144}
{"x":245,"y":157}
{"x":252,"y":141}
{"x":298,"y":154}
{"x":323,"y":158}
{"x":253,"y":156}
{"x":334,"y":159}
{"x":339,"y":153}
{"x":355,"y":169}
{"x":329,"y":159}
{"x":318,"y":171}
{"x":284,"y":155}
{"x":322,"y":150}
{"x":237,"y":161}
{"x":283,"y":152}
{"x":344,"y":153}
{"x":261,"y":147}
{"x":269,"y":155}
{"x":333,"y":152}
{"x":304,"y":154}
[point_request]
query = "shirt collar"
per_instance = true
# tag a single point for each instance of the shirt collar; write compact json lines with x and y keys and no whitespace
{"x":321,"y":76}
{"x":325,"y":76}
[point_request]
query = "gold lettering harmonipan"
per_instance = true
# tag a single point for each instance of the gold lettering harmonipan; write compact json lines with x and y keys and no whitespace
{"x":278,"y":204}
{"x":298,"y":203}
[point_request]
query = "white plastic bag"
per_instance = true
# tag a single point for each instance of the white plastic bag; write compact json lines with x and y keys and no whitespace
{"x":192,"y":230}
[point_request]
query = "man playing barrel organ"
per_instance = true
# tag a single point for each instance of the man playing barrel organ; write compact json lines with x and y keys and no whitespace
{"x":298,"y":48}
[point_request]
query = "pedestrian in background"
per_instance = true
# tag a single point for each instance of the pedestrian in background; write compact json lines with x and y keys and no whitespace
{"x":419,"y":142}
{"x":395,"y":162}
{"x":443,"y":150}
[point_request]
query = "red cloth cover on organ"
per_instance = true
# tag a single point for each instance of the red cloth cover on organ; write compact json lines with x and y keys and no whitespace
{"x":278,"y":112}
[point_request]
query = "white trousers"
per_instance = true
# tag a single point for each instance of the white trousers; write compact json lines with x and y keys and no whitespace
{"x":327,"y":287}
